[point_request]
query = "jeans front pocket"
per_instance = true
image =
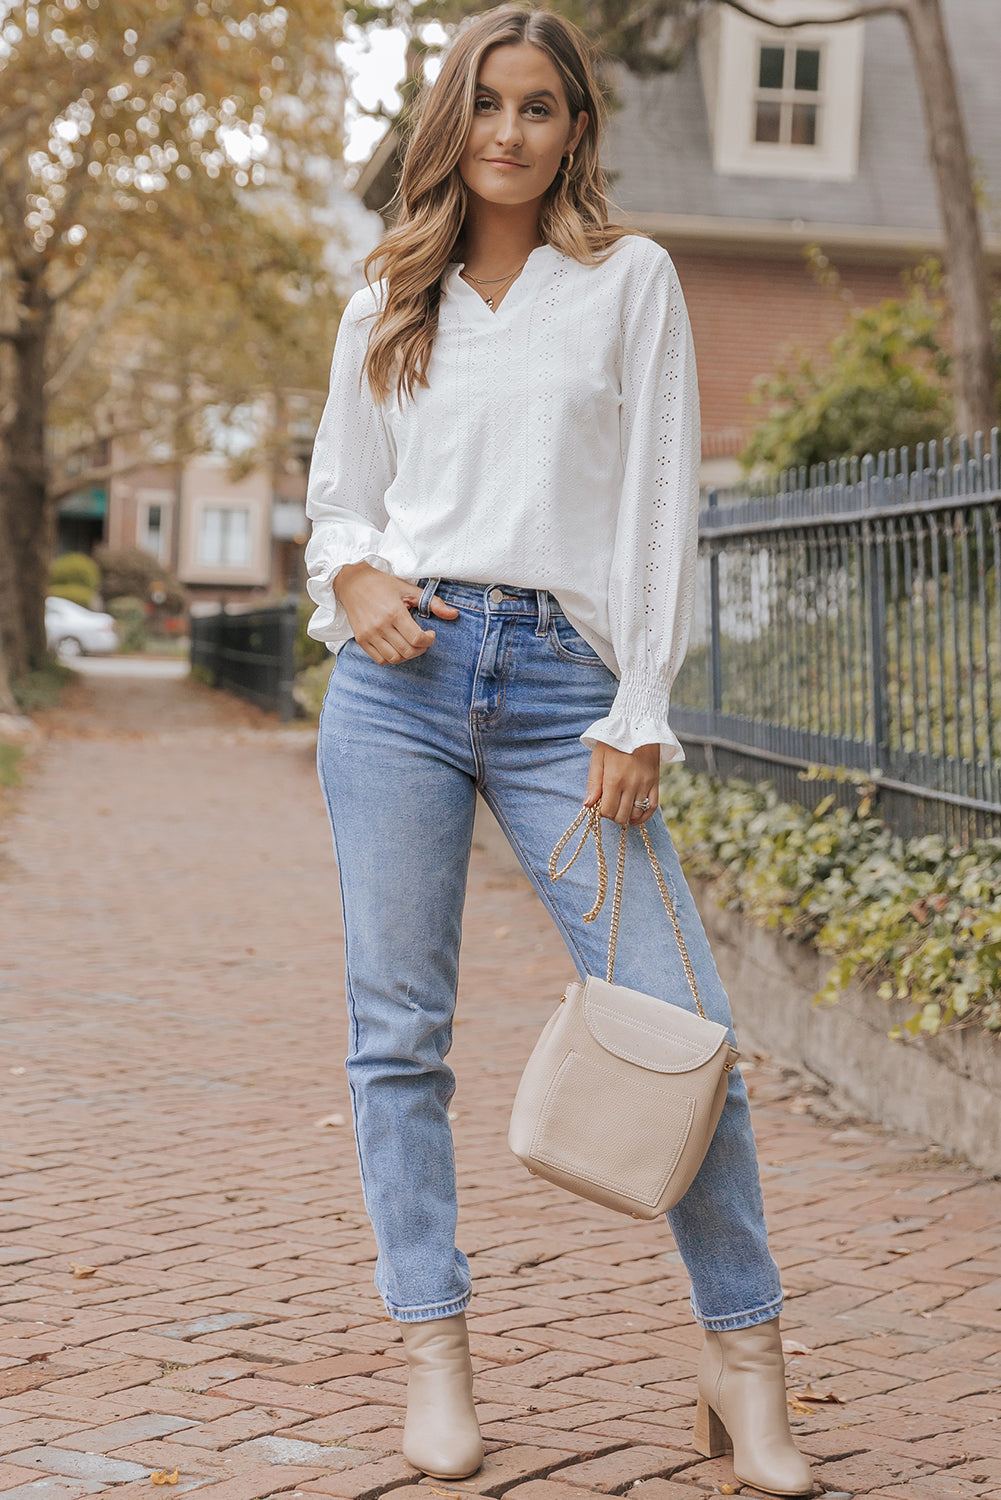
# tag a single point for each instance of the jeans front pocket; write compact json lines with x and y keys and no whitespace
{"x":569,"y":645}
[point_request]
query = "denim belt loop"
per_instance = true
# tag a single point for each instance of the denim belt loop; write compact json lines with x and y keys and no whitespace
{"x":424,"y":607}
{"x":542,"y":599}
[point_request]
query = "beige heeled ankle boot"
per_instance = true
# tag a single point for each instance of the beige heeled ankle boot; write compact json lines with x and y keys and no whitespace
{"x":441,"y":1435}
{"x":742,"y":1405}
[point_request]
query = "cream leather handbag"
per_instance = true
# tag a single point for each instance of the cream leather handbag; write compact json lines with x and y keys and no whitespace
{"x":622,"y":1092}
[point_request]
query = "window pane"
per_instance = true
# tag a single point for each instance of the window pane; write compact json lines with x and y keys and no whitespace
{"x":808,"y":68}
{"x":154,"y":520}
{"x":804,"y":125}
{"x":770,"y":65}
{"x":767,"y":120}
{"x":236,"y":551}
{"x":210,"y":538}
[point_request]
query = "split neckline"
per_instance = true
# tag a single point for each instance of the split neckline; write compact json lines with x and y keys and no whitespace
{"x":452,"y":283}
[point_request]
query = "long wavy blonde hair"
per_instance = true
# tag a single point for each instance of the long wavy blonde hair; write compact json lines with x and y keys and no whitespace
{"x":414,"y":254}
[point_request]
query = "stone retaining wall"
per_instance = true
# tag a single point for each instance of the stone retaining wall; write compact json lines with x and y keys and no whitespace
{"x":946,"y":1087}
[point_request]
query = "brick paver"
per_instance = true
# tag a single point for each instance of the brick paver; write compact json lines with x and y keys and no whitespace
{"x":186,"y":1265}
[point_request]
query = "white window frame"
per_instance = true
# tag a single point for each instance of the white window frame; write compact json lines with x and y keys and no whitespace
{"x":787,"y":96}
{"x":147,"y":500}
{"x":225,"y":561}
{"x":729,"y":54}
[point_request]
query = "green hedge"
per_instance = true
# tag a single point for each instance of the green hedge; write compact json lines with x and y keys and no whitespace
{"x":131,"y":616}
{"x":77,"y":570}
{"x":311,"y":686}
{"x":308,"y":653}
{"x":11,"y":757}
{"x":919,"y":918}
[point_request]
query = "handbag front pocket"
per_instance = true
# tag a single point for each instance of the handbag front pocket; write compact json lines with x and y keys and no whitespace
{"x":639,"y":1158}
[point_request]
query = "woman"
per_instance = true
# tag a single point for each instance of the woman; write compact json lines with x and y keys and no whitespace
{"x":510,"y":449}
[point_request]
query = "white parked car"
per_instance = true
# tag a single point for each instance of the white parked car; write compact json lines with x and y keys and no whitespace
{"x":74,"y":631}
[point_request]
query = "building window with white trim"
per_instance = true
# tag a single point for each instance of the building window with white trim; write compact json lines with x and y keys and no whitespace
{"x":787,"y":101}
{"x":152,"y":533}
{"x":224,"y":537}
{"x":153,"y":523}
{"x":783,"y":105}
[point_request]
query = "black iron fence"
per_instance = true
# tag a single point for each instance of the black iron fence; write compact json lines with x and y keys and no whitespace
{"x":251,"y":653}
{"x":851,"y":617}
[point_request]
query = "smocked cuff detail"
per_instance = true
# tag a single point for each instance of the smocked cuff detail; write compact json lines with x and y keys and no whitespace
{"x":329,"y":622}
{"x":638,"y":717}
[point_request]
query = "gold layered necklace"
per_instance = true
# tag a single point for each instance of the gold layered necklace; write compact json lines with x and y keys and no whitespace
{"x":493,"y":280}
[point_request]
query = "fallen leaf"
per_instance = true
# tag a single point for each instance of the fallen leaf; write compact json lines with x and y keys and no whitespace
{"x":449,"y":1494}
{"x":797,"y":1406}
{"x":727,"y":1489}
{"x":80,"y":1271}
{"x":809,"y":1394}
{"x":329,"y":1121}
{"x":174,"y":1477}
{"x":897,"y":1250}
{"x":793,"y":1346}
{"x":159,"y":1476}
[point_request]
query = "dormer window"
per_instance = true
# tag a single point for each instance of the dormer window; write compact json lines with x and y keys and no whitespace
{"x":782,"y":103}
{"x":787,"y":102}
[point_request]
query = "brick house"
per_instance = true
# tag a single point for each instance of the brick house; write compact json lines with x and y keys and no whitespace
{"x":764,"y":142}
{"x":228,"y":536}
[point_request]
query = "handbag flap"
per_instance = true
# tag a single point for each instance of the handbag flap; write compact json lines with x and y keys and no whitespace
{"x":652,"y":1033}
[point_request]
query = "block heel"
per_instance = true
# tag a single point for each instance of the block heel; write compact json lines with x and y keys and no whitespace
{"x":711,"y":1438}
{"x":742,"y":1375}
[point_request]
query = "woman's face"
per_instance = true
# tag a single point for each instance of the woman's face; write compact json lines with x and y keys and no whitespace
{"x":521,"y":127}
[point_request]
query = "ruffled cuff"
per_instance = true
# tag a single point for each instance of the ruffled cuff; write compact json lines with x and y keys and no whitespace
{"x":638,"y":717}
{"x":329,"y":621}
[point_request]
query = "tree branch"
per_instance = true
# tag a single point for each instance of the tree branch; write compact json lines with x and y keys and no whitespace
{"x":69,"y":484}
{"x":877,"y":8}
{"x":75,"y":185}
{"x":102,"y":320}
{"x":87,"y":269}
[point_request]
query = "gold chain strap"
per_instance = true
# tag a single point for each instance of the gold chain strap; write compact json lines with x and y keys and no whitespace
{"x":591,"y":818}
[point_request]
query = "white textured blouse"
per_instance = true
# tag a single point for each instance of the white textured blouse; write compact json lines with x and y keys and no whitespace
{"x":557,"y":447}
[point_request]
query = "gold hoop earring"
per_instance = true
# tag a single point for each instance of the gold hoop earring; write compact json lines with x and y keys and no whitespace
{"x":568,"y":164}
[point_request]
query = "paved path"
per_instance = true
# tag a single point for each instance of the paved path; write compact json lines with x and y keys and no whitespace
{"x":186,"y":1265}
{"x":130,"y":666}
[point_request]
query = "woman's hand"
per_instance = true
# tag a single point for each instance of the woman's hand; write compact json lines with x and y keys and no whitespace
{"x":617,"y":780}
{"x":376,"y":604}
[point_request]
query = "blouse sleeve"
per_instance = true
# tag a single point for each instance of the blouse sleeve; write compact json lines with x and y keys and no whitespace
{"x":652,"y":584}
{"x":352,"y":467}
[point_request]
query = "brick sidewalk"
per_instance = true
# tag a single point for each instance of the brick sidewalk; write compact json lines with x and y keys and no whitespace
{"x":187,"y":1266}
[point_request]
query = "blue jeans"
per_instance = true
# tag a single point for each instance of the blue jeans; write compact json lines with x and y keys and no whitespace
{"x":495,"y":705}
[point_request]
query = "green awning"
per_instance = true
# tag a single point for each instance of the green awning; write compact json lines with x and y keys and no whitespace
{"x":92,"y":502}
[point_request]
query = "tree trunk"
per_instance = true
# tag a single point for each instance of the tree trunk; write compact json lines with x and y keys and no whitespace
{"x":965,"y":263}
{"x":13,"y":652}
{"x":30,"y":518}
{"x":7,"y":704}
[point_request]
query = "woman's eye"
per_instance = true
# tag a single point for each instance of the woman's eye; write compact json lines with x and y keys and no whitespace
{"x":536,"y":111}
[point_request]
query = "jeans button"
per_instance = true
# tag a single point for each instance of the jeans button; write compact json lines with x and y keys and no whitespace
{"x":496,"y":595}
